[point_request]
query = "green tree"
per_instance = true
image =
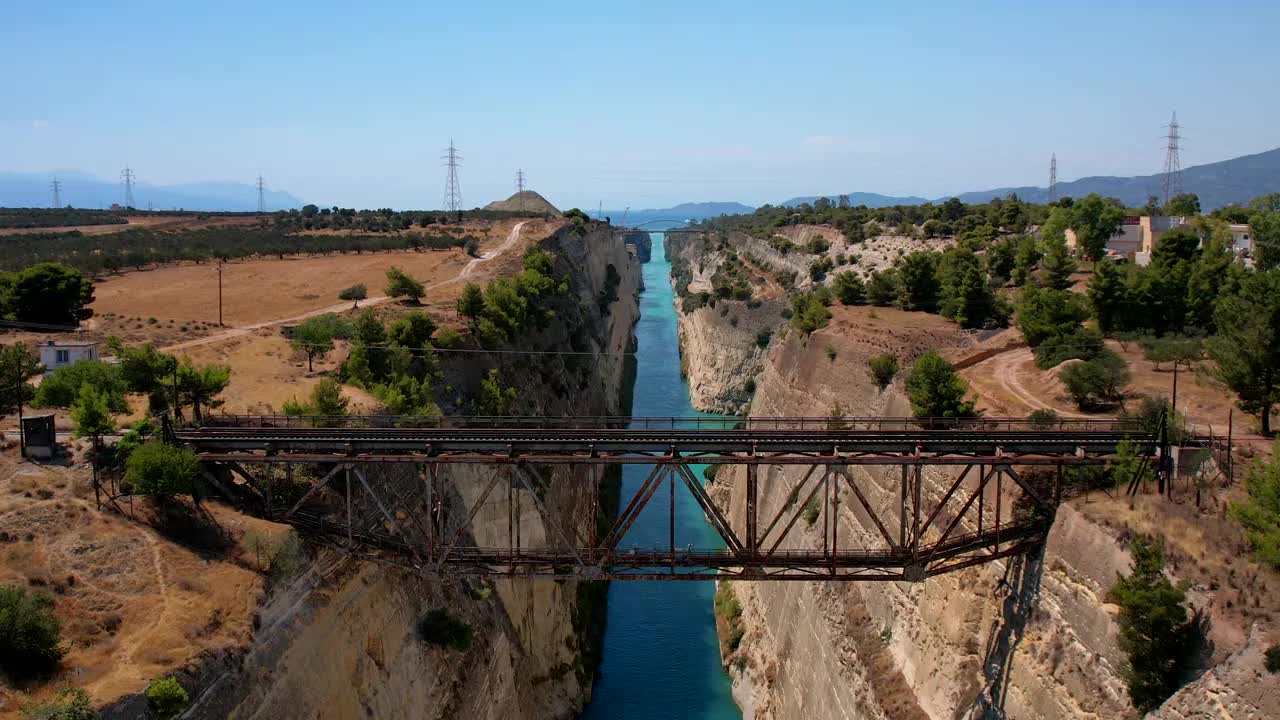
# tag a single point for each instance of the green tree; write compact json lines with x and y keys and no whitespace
{"x":1107,"y":295}
{"x":1215,"y":271}
{"x":849,"y":289}
{"x":1095,"y":220}
{"x":91,"y":413}
{"x":355,"y":294}
{"x":936,"y":390}
{"x":1259,"y":513}
{"x":1000,"y":260}
{"x":883,"y":288}
{"x":1247,"y":346}
{"x":18,"y":364}
{"x":72,"y":704}
{"x":1054,"y":230}
{"x":884,"y":368}
{"x":201,"y":386}
{"x":326,"y":401}
{"x":161,"y":470}
{"x":314,"y":337}
{"x":1264,"y":228}
{"x":1026,"y":255}
{"x":1183,"y":204}
{"x":1155,"y":631}
{"x":61,"y":388}
{"x":495,"y":398}
{"x":1045,"y":314}
{"x":400,"y":284}
{"x":918,"y":284}
{"x":471,"y":303}
{"x":29,"y":633}
{"x":413,"y":330}
{"x":1093,"y":383}
{"x":50,"y":293}
{"x":165,"y":699}
{"x":1056,"y":266}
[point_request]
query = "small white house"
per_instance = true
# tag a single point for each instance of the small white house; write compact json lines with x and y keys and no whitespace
{"x":54,"y":355}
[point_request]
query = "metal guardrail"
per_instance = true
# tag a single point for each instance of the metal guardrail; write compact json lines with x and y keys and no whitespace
{"x":721,"y":423}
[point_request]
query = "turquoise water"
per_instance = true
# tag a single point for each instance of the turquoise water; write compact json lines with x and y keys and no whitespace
{"x":661,"y":656}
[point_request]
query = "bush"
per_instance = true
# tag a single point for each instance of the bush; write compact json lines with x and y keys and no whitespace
{"x":29,"y":633}
{"x":884,"y":368}
{"x":729,"y":610}
{"x":808,"y":313}
{"x":60,"y":388}
{"x":849,"y":288}
{"x":1259,"y":513}
{"x":448,"y":339}
{"x":1043,"y":419}
{"x":1098,"y":382}
{"x":937,"y":391}
{"x":763,"y":337}
{"x":72,"y":704}
{"x":1154,"y":629}
{"x":400,"y":284}
{"x":441,"y":629}
{"x":161,"y":470}
{"x":165,"y":698}
{"x":812,"y":510}
{"x":1075,"y":343}
{"x":355,"y":293}
{"x":1273,"y":659}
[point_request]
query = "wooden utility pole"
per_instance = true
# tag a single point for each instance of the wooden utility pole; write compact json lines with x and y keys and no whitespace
{"x":219,"y":295}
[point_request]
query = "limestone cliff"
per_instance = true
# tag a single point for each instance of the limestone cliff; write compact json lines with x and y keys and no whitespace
{"x":1030,"y":637}
{"x":341,"y":640}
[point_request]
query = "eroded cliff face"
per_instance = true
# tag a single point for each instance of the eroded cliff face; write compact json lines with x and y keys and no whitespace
{"x":1026,"y":638}
{"x":341,"y":640}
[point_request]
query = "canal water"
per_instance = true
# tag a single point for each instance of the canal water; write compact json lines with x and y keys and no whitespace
{"x":661,"y":656}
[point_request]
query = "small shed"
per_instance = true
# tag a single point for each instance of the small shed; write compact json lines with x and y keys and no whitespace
{"x":39,"y":436}
{"x":55,"y":355}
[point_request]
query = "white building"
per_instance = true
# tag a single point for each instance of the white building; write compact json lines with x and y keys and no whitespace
{"x":1241,"y":242}
{"x":54,"y":355}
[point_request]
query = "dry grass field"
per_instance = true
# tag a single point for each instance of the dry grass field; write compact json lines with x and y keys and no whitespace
{"x":134,"y":604}
{"x":142,"y":222}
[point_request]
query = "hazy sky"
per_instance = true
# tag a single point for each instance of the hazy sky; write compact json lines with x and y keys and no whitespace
{"x":639,"y":103}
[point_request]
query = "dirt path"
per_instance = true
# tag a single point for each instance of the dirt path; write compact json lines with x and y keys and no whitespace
{"x":512,"y":238}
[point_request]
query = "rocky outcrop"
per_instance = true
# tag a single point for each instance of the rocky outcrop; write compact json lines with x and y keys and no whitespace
{"x":341,"y":640}
{"x":1026,"y":638}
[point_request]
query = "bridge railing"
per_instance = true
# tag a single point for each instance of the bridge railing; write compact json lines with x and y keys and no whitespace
{"x":710,"y":424}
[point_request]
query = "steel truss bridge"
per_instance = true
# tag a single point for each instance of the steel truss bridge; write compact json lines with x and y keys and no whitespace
{"x":1006,"y":479}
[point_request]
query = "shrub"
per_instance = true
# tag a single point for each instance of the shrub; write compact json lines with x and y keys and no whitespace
{"x":29,"y":633}
{"x":1154,"y":629}
{"x":72,"y":704}
{"x":1074,"y":343}
{"x":1095,"y":383}
{"x":161,"y":470}
{"x":1042,"y":419}
{"x":1259,"y":513}
{"x":849,"y":288}
{"x":448,"y":339}
{"x":884,"y":368}
{"x":355,"y":293}
{"x":60,"y":388}
{"x":812,"y":510}
{"x":763,"y":337}
{"x":400,"y":284}
{"x":441,"y":629}
{"x":165,"y":698}
{"x":808,"y":313}
{"x":729,"y":610}
{"x":1273,"y":659}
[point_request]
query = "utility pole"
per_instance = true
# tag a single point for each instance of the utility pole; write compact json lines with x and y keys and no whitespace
{"x":452,"y":192}
{"x":1053,"y":178}
{"x":219,"y":294}
{"x":127,"y":178}
{"x":56,"y":186}
{"x":1172,"y":162}
{"x":262,"y":197}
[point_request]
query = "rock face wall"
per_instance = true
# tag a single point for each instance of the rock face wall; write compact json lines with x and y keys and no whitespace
{"x":341,"y":640}
{"x":1025,"y":638}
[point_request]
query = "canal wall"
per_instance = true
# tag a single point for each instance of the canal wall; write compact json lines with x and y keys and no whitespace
{"x":341,"y":639}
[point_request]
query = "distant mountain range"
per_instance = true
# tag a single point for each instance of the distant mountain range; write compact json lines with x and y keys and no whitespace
{"x":85,"y":191}
{"x":1237,"y":180}
{"x":871,"y":200}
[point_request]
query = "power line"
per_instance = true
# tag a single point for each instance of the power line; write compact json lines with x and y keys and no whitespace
{"x":56,"y":186}
{"x":1172,"y":163}
{"x":262,"y":197}
{"x":1053,"y":178}
{"x":452,"y":191}
{"x":127,"y":178}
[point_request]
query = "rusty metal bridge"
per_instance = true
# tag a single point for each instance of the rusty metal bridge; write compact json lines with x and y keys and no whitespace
{"x":420,"y":508}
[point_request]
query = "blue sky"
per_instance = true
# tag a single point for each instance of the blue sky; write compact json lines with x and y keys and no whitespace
{"x":641,"y":104}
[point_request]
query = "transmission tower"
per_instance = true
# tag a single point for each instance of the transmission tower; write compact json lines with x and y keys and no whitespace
{"x":452,"y":193}
{"x":1172,"y":163}
{"x":127,"y":177}
{"x":262,"y":196}
{"x":1053,"y":177}
{"x":520,"y":187}
{"x":56,"y":186}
